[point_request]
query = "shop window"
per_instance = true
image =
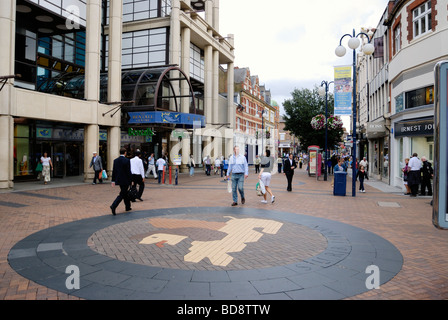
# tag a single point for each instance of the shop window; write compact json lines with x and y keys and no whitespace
{"x":23,"y":162}
{"x":419,"y":97}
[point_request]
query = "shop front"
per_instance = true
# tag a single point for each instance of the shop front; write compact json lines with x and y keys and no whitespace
{"x":378,"y":138}
{"x":411,"y":136}
{"x":63,"y":143}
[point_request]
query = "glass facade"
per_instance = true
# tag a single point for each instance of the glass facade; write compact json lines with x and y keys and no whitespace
{"x":145,"y":48}
{"x":134,"y":10}
{"x":75,"y":9}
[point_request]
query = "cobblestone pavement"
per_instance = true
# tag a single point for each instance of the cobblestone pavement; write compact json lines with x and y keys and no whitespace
{"x":382,"y":212}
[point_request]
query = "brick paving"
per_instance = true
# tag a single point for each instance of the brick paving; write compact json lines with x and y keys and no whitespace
{"x":405,"y":222}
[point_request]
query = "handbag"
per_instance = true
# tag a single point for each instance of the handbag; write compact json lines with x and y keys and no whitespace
{"x":104,"y":174}
{"x":39,"y":167}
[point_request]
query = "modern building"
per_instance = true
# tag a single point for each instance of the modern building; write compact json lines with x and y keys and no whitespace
{"x":83,"y":76}
{"x":417,"y":41}
{"x":287,"y":142}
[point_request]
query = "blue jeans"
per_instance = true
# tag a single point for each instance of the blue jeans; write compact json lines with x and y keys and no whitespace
{"x":191,"y":171}
{"x":237,"y":181}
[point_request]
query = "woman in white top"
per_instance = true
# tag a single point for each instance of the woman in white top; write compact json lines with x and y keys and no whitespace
{"x":46,"y":164}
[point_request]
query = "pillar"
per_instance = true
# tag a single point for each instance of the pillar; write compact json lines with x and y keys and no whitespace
{"x":208,"y":89}
{"x":7,"y":43}
{"x":216,"y":15}
{"x":231,"y":108}
{"x":91,"y":144}
{"x":114,"y":79}
{"x":7,"y":156}
{"x":93,"y":50}
{"x":185,"y":90}
{"x":92,"y":80}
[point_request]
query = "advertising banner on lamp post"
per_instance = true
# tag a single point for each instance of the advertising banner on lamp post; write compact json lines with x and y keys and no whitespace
{"x":343,"y":90}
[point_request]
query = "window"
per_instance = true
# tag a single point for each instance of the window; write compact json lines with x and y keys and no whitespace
{"x":421,"y":19}
{"x":134,"y":10}
{"x":397,"y":39}
{"x":197,"y":64}
{"x":145,"y":48}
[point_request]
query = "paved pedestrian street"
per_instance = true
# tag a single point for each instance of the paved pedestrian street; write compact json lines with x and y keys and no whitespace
{"x":186,"y":242}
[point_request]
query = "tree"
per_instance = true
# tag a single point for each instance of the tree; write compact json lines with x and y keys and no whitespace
{"x":300,"y":109}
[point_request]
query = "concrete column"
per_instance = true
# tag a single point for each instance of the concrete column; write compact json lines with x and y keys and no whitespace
{"x":91,"y":144}
{"x":114,"y":78}
{"x":7,"y":40}
{"x":209,"y":12}
{"x":7,"y":156}
{"x":115,"y":48}
{"x":216,"y":15}
{"x":175,"y":45}
{"x":113,"y":147}
{"x":231,"y":111}
{"x":216,"y":86}
{"x":93,"y":50}
{"x":185,"y":66}
{"x":7,"y":53}
{"x":185,"y":90}
{"x":208,"y":90}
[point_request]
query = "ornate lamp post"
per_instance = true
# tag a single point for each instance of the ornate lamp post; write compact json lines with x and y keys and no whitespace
{"x":323,"y":91}
{"x":340,"y":51}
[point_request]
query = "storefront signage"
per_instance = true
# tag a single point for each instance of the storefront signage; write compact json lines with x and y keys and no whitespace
{"x":414,"y":128}
{"x":140,"y":132}
{"x":376,"y":129}
{"x":153,"y":117}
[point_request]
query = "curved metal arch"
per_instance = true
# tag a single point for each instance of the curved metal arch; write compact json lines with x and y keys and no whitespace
{"x":159,"y":83}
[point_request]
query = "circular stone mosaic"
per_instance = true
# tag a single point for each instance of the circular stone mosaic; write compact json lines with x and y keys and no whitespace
{"x":206,"y":253}
{"x":208,"y":242}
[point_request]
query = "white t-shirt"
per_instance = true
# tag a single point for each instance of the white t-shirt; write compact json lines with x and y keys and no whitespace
{"x":160,"y":164}
{"x":45,"y":161}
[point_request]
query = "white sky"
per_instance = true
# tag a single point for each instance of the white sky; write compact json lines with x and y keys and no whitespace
{"x":290,"y":44}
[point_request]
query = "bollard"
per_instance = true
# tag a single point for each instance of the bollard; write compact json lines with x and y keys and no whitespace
{"x":176,"y":175}
{"x":163,"y":176}
{"x":170,"y":174}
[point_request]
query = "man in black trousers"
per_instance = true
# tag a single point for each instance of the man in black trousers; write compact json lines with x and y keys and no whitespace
{"x":122,"y":176}
{"x":288,"y":169}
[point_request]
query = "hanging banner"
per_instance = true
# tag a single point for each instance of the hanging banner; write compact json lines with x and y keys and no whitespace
{"x":343,"y":90}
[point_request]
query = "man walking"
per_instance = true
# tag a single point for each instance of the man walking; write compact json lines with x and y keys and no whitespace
{"x":138,"y":174}
{"x":161,"y":164}
{"x":238,"y":170}
{"x":97,"y":165}
{"x":122,"y":176}
{"x":427,"y":175}
{"x":414,"y":174}
{"x":288,"y":169}
{"x":151,"y":166}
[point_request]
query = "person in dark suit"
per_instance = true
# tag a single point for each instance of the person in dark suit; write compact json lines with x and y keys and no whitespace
{"x":122,"y":176}
{"x":288,"y":169}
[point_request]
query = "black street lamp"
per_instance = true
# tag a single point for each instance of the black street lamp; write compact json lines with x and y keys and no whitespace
{"x":324,"y":91}
{"x":340,"y":51}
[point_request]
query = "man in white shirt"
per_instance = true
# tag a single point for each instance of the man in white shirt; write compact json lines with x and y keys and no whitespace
{"x":160,"y":164}
{"x":138,"y":174}
{"x":151,"y":166}
{"x":363,"y":163}
{"x":414,"y":175}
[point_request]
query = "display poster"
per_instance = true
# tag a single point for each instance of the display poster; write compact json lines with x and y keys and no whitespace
{"x":343,"y":90}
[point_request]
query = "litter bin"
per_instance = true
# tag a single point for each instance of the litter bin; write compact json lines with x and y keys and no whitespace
{"x":340,"y":183}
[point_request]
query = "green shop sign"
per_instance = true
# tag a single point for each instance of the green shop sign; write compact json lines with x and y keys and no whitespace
{"x":140,"y":133}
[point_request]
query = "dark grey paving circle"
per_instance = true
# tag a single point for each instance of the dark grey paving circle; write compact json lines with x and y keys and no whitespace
{"x":338,"y":272}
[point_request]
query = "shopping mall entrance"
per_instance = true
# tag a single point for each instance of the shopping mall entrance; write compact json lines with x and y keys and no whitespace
{"x":67,"y":157}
